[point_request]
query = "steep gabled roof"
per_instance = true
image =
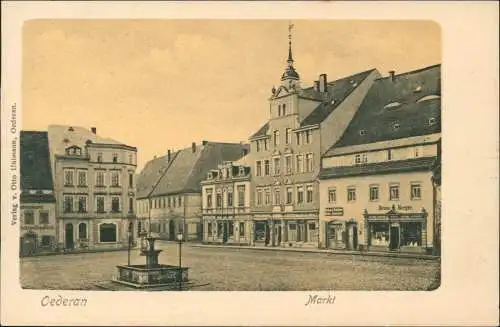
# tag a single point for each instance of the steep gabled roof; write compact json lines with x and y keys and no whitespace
{"x":408,"y":105}
{"x":338,"y":91}
{"x":186,"y":169}
{"x":262,"y":131}
{"x":36,"y":172}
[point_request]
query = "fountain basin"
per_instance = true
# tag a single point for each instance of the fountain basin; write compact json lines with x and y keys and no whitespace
{"x":146,"y":276}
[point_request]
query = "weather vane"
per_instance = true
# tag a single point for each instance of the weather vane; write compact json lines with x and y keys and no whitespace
{"x":290,"y":27}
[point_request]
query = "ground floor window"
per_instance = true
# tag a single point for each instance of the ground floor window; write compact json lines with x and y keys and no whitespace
{"x":411,"y":234}
{"x":292,"y":232}
{"x":107,"y":233}
{"x":82,"y":230}
{"x":379,"y":233}
{"x":220,"y":228}
{"x":230,"y":228}
{"x":242,"y":229}
{"x":46,"y":240}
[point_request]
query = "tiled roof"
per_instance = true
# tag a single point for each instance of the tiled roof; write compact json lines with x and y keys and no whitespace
{"x":424,"y":163}
{"x":186,"y":169}
{"x":395,"y":109}
{"x":262,"y":131}
{"x":36,"y":172}
{"x":338,"y":91}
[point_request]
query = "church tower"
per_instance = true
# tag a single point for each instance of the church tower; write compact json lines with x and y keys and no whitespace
{"x":290,"y":78}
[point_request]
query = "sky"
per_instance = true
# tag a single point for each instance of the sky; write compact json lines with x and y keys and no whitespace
{"x":163,"y":84}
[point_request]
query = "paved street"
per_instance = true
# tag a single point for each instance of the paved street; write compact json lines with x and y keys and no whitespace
{"x":231,"y":269}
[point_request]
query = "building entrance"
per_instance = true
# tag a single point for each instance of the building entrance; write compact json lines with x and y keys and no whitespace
{"x":68,"y":235}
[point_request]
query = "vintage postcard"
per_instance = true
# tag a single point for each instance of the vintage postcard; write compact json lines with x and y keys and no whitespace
{"x":168,"y":164}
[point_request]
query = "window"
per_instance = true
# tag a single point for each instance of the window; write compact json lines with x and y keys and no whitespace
{"x":173,"y":202}
{"x":219,"y":200}
{"x":283,"y":111}
{"x":115,"y":179}
{"x":241,"y":171}
{"x":394,"y":192}
{"x":277,"y":199}
{"x":276,"y":166}
{"x":396,"y":126}
{"x":130,"y":180}
{"x":276,"y":138}
{"x":164,"y":200}
{"x":332,"y":195}
{"x":179,"y":201}
{"x":300,"y":164}
{"x":100,"y":204}
{"x":411,"y":234}
{"x":44,"y":218}
{"x":288,"y":165}
{"x":415,"y":191}
{"x":308,"y":136}
{"x":373,"y":193}
{"x":209,"y":199}
{"x":107,"y":233}
{"x":230,"y":199}
{"x":357,"y":159}
{"x":258,"y":168}
{"x":242,"y":229}
{"x":309,"y":194}
{"x":68,"y":204}
{"x":131,"y":204}
{"x":312,"y":226}
{"x":379,"y":234}
{"x":230,"y":228}
{"x":82,"y":230}
{"x":99,"y":157}
{"x":279,"y":110}
{"x":241,"y":196}
{"x":100,"y":178}
{"x":309,"y":162}
{"x":82,"y":178}
{"x":257,"y":145}
{"x":130,"y":159}
{"x":267,"y":171}
{"x":82,"y":204}
{"x":289,"y":195}
{"x":115,"y":158}
{"x":351,"y":194}
{"x":209,"y":227}
{"x":169,"y":201}
{"x":46,"y":240}
{"x":29,"y":217}
{"x":115,"y":204}
{"x":432,"y":121}
{"x":389,"y":155}
{"x":417,"y":152}
{"x":288,"y":136}
{"x":68,"y":178}
{"x":300,"y":194}
{"x":298,"y":138}
{"x":259,"y":197}
{"x":268,"y":196}
{"x":364,"y":158}
{"x":266,"y":144}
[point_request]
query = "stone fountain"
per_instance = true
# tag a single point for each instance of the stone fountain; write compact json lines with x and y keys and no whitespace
{"x":152,"y":275}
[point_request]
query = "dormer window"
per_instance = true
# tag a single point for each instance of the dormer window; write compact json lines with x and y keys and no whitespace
{"x":74,"y":150}
{"x":362,"y":132}
{"x":396,"y":126}
{"x":71,"y":129}
{"x":432,"y":121}
{"x":429,"y":97}
{"x":210,"y":175}
{"x":392,"y":105}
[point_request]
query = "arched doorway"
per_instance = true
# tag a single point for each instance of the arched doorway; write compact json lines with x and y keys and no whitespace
{"x":68,"y":236}
{"x":171,"y":230}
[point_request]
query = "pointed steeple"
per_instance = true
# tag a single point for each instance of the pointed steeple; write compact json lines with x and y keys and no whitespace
{"x":290,"y":73}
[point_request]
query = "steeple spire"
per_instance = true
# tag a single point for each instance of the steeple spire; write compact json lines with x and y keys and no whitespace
{"x":290,"y":57}
{"x":290,"y":73}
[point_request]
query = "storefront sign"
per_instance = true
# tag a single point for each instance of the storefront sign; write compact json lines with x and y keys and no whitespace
{"x":334,"y":211}
{"x":398,"y":207}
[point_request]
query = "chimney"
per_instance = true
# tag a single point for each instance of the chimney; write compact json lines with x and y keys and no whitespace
{"x":204,"y":142}
{"x":316,"y":86}
{"x":193,"y":147}
{"x":93,"y":130}
{"x":322,"y":83}
{"x":169,"y":156}
{"x":244,"y":151}
{"x":391,"y":73}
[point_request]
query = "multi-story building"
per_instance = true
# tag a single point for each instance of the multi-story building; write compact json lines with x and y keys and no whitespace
{"x":38,"y":203}
{"x":226,"y":204}
{"x":376,"y":188}
{"x":95,"y":188}
{"x":285,"y":153}
{"x":169,"y":188}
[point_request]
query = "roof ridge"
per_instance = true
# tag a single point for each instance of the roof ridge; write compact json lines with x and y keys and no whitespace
{"x":419,"y":70}
{"x":165,"y":170}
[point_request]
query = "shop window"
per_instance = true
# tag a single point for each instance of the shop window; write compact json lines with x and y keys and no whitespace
{"x":379,"y":234}
{"x":44,"y":217}
{"x":411,"y":233}
{"x":394,"y":192}
{"x":260,"y":231}
{"x":415,"y":191}
{"x":107,"y":233}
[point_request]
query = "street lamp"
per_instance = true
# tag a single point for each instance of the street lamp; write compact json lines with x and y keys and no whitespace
{"x":129,"y":232}
{"x":179,"y":238}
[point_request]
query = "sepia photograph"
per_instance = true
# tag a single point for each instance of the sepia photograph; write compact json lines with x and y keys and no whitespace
{"x":306,"y":165}
{"x":182,"y":160}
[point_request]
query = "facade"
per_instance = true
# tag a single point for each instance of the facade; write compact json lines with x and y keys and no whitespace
{"x":94,"y":182}
{"x":226,"y":204}
{"x":376,"y":185}
{"x":169,"y":188}
{"x":38,"y":203}
{"x":286,"y":153}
